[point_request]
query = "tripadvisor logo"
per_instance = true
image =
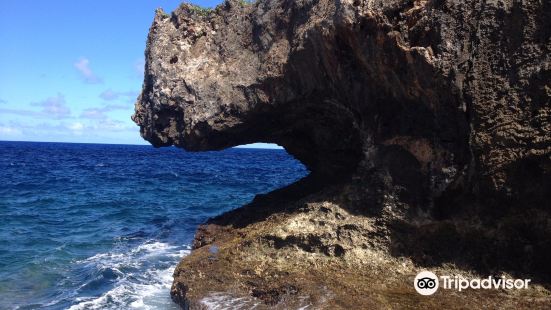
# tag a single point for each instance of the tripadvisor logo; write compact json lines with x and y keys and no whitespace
{"x":427,"y":283}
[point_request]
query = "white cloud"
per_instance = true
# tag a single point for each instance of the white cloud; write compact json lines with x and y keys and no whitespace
{"x":54,"y":107}
{"x":112,"y":125}
{"x":99,"y":125}
{"x":93,"y":114}
{"x":99,"y":113}
{"x":9,"y":131}
{"x":77,"y":126}
{"x":21,"y":112}
{"x":95,"y":131}
{"x":83,"y":67}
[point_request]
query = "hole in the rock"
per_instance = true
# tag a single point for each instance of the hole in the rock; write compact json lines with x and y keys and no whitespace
{"x":210,"y":184}
{"x":267,"y":167}
{"x":268,"y":146}
{"x":268,"y":173}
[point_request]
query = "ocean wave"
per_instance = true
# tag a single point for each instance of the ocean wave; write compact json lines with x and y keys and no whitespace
{"x":59,"y":209}
{"x":142,"y":277}
{"x":128,"y":293}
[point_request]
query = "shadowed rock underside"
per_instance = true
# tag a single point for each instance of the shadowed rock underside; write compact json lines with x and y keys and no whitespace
{"x":426,"y":126}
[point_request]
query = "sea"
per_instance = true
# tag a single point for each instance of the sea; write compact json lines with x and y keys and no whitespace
{"x":95,"y":226}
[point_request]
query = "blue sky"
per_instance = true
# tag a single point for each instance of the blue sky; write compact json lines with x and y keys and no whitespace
{"x":70,"y":71}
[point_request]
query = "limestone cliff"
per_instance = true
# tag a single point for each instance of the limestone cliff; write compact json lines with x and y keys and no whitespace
{"x":426,"y":126}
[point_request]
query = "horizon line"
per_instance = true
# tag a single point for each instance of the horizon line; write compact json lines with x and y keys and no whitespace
{"x":244,"y":146}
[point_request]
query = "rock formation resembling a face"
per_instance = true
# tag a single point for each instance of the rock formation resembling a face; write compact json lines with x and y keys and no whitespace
{"x":345,"y":87}
{"x":427,"y":121}
{"x":335,"y":97}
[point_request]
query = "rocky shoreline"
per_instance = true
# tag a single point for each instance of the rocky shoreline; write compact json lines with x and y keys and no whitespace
{"x":426,"y":126}
{"x":315,"y":253}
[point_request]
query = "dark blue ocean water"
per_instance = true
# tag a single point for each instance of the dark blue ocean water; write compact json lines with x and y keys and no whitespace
{"x":87,"y":226}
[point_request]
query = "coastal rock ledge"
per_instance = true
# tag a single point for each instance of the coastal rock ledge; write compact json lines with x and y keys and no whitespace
{"x":426,"y":126}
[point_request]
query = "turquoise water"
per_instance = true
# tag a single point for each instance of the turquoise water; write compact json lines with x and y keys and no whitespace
{"x":86,"y":226}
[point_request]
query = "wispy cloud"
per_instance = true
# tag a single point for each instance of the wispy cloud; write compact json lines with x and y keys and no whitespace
{"x":99,"y":113}
{"x":2,"y":101}
{"x":83,"y":67}
{"x":9,"y":131}
{"x":20,"y":112}
{"x":77,"y":128}
{"x":54,"y":107}
{"x":113,"y":125}
{"x":93,"y":114}
{"x":107,"y":124}
{"x":110,"y":95}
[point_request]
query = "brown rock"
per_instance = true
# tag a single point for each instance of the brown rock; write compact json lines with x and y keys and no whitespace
{"x":426,"y":126}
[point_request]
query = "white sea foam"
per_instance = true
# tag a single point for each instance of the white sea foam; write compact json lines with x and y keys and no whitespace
{"x":127,"y":293}
{"x":146,"y":289}
{"x":220,"y":301}
{"x":154,"y":248}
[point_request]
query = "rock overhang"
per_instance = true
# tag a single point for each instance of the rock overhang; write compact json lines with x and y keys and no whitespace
{"x":344,"y":86}
{"x":333,"y":96}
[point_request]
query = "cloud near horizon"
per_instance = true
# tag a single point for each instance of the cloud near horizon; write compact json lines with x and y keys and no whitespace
{"x":106,"y":124}
{"x":83,"y":67}
{"x":10,"y":131}
{"x":93,"y":130}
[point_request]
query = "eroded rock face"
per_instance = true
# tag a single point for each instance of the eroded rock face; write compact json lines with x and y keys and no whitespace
{"x":424,"y":112}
